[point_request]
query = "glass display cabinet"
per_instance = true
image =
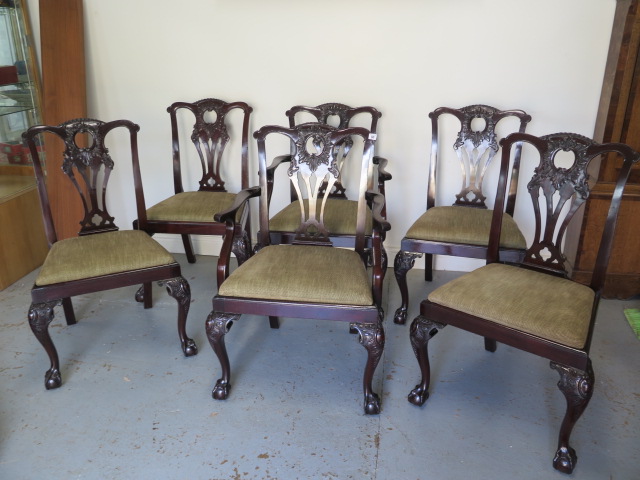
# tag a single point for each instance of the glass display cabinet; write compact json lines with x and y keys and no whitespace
{"x":22,"y":242}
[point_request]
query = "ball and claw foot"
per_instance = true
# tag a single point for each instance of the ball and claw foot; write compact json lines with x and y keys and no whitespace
{"x":400,"y":318}
{"x":189,"y":348}
{"x":418,"y":396}
{"x":52,"y":379}
{"x":565,"y":459}
{"x":140,"y":295}
{"x":372,"y":404}
{"x":221,"y":390}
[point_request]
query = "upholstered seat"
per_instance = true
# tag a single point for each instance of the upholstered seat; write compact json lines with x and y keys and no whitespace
{"x":95,"y":255}
{"x":464,"y":225}
{"x":563,"y":316}
{"x":192,"y":207}
{"x":340,"y":217}
{"x":299,"y":274}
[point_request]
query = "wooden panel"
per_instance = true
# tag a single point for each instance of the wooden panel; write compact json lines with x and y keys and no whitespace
{"x":619,"y":121}
{"x":64,"y":98}
{"x":23,"y":246}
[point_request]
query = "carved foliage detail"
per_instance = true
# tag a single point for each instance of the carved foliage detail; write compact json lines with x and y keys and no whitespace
{"x":179,"y":289}
{"x":40,"y":316}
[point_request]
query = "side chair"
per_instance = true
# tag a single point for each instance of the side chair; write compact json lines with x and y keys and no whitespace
{"x":102,"y":257}
{"x":189,"y":211}
{"x":461,"y":229}
{"x":534,"y":306}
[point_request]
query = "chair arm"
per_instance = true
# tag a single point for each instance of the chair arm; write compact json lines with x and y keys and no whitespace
{"x":241,"y":198}
{"x":383,"y":175}
{"x":376,"y":203}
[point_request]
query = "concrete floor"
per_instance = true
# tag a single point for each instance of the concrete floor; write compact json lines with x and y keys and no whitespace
{"x":132,"y":407}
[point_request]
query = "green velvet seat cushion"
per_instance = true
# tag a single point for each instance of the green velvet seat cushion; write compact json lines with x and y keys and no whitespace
{"x":301,"y":273}
{"x":101,"y":254}
{"x":546,"y":306}
{"x":339,"y":217}
{"x":192,"y":207}
{"x":464,"y":225}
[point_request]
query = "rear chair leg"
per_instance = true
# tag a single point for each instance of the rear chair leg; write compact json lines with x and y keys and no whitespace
{"x":421,"y":331}
{"x":188,"y":248}
{"x":577,"y":387}
{"x":40,"y":316}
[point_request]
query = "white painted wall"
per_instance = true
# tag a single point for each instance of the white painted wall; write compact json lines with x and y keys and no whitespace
{"x":405,"y":57}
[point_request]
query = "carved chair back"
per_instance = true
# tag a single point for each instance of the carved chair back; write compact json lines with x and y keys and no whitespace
{"x":344,"y":115}
{"x":557,"y":192}
{"x":88,"y":165}
{"x":475,"y":149}
{"x":210,"y":136}
{"x":316,"y":149}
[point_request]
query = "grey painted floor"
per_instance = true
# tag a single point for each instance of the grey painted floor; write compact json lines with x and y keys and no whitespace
{"x":132,"y":407}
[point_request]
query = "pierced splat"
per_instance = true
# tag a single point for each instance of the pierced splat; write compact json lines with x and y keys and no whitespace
{"x":88,"y":167}
{"x":314,"y":163}
{"x":476,"y":145}
{"x":475,"y":149}
{"x":210,"y":137}
{"x":323,"y":114}
{"x":554,"y":189}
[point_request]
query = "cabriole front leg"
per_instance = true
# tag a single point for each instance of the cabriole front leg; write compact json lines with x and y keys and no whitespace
{"x":403,"y":262}
{"x":217,"y":326}
{"x":179,"y":289}
{"x":40,"y":316}
{"x":577,"y":387}
{"x":421,"y":331}
{"x":371,"y":337}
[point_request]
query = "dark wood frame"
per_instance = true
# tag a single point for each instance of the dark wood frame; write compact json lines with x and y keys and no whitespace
{"x":364,"y":320}
{"x":94,"y":159}
{"x":573,"y":364}
{"x":412,"y":248}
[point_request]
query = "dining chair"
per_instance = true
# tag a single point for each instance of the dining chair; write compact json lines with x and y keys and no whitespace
{"x":461,"y":229}
{"x":190,"y":210}
{"x":534,"y":306}
{"x":340,"y":212}
{"x":102,"y":257}
{"x":309,"y":277}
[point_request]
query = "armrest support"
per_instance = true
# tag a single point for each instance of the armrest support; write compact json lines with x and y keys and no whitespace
{"x":229,"y":218}
{"x":376,"y":202}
